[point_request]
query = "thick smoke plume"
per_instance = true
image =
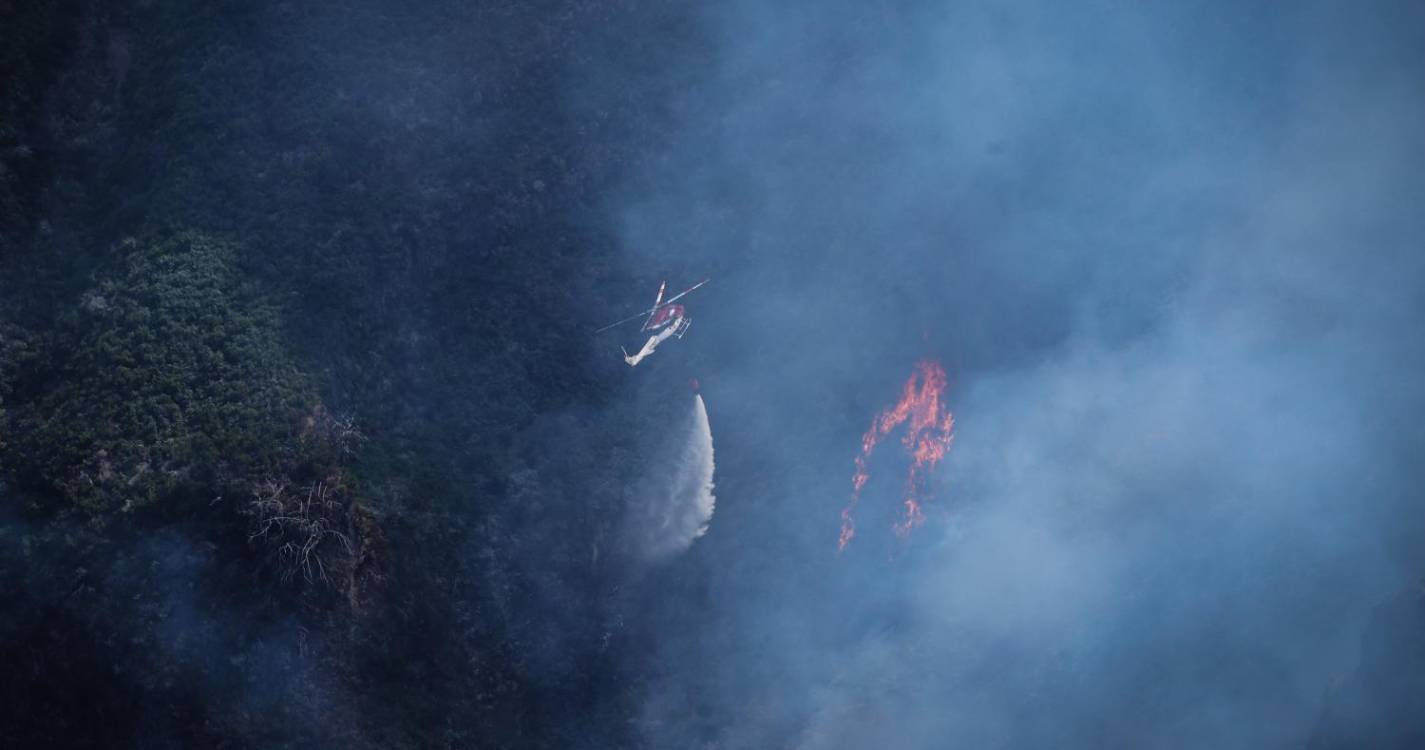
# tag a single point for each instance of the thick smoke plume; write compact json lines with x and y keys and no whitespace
{"x":1181,"y":297}
{"x":677,"y":504}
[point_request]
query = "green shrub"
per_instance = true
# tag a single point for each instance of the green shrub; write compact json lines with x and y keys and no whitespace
{"x":167,"y":380}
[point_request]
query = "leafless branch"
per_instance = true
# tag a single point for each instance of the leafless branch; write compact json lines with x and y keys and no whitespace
{"x":297,"y":524}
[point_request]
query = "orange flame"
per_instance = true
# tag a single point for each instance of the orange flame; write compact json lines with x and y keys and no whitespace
{"x":929,"y":432}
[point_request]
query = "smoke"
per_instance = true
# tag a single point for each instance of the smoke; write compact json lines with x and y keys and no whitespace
{"x":1170,"y":256}
{"x":676,"y":504}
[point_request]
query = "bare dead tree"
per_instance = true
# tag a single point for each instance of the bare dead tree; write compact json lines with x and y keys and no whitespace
{"x":339,"y":431}
{"x":298,"y":524}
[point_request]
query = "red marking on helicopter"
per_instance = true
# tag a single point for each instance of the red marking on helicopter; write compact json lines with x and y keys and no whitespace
{"x":665,"y":319}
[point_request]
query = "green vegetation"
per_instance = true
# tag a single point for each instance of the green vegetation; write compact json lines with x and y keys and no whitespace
{"x":25,"y":70}
{"x":168,"y":377}
{"x":14,"y":353}
{"x":384,"y":210}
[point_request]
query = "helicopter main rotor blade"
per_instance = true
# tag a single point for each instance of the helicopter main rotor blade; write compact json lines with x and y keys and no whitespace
{"x":670,"y":300}
{"x":629,"y":319}
{"x":655,"y":308}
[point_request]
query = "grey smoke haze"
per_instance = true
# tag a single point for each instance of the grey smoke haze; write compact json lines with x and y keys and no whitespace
{"x":1171,"y":258}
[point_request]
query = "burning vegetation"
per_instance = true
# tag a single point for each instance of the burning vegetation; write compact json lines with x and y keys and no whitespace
{"x":929,"y":430}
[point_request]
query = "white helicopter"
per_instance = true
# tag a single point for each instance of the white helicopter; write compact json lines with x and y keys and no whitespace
{"x":665,"y":319}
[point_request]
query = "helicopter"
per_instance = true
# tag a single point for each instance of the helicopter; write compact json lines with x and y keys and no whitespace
{"x":665,"y":320}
